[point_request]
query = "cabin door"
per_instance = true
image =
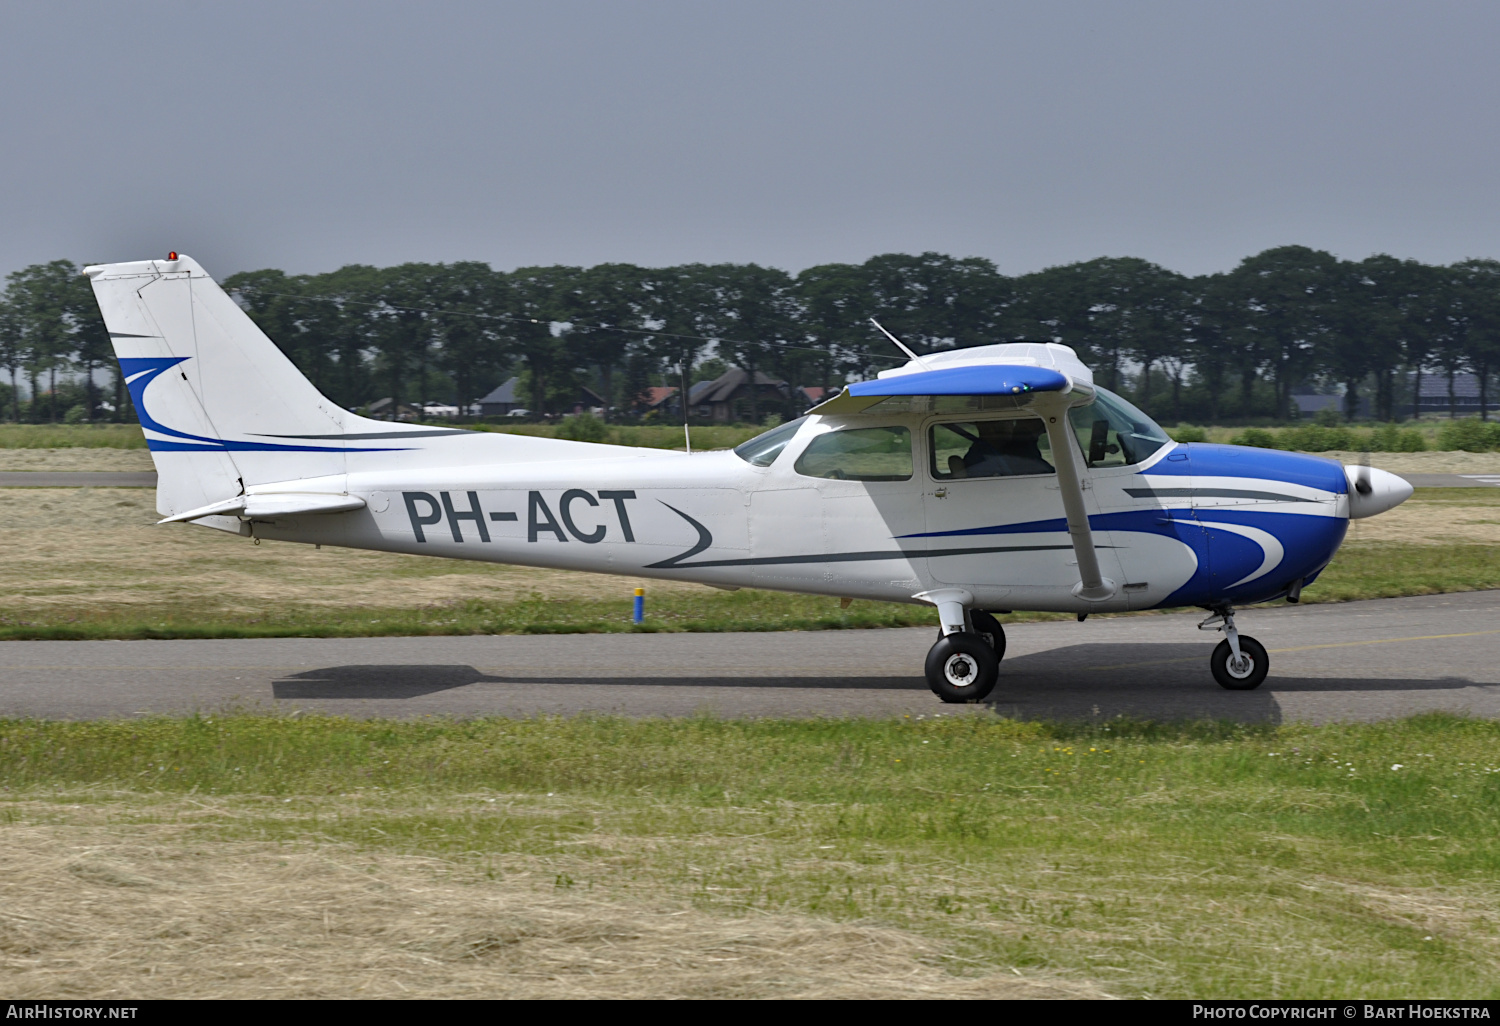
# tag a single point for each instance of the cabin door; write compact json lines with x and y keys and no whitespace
{"x":993,"y":506}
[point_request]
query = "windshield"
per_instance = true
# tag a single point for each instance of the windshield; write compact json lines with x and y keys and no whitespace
{"x":1114,"y":433}
{"x":762,"y":450}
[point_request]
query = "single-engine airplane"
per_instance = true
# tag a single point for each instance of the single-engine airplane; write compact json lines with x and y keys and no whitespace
{"x":979,"y":480}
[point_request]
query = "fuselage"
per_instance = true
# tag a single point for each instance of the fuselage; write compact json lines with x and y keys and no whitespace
{"x":1190,"y":525}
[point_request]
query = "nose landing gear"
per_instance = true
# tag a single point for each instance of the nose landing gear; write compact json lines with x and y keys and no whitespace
{"x":1239,"y":663}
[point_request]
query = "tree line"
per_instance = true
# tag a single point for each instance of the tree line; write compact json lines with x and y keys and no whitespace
{"x":1214,"y":348}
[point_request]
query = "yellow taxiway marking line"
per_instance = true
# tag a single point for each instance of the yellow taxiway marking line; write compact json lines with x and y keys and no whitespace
{"x":1306,"y":648}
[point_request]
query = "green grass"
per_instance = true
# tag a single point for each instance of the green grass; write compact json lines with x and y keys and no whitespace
{"x":71,"y":436}
{"x":1433,"y":432}
{"x":1207,"y":860}
{"x":1390,"y":570}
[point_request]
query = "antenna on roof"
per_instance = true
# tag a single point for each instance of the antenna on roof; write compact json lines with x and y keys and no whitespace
{"x":900,"y":345}
{"x":687,"y":433}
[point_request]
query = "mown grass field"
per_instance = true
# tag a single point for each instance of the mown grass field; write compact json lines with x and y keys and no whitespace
{"x":91,"y":563}
{"x":71,"y":436}
{"x":1122,"y":858}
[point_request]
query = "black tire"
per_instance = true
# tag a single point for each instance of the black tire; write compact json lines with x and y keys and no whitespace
{"x":987,"y":627}
{"x":962,"y":668}
{"x":1247,"y":679}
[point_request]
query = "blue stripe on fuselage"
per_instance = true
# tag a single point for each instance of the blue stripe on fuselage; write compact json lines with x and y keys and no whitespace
{"x":1308,"y":542}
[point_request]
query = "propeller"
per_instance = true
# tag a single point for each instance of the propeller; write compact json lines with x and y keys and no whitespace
{"x":1362,"y":476}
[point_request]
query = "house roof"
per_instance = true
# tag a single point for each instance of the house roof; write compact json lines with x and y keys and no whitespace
{"x":657,"y":394}
{"x":725,"y":385}
{"x":504,"y":393}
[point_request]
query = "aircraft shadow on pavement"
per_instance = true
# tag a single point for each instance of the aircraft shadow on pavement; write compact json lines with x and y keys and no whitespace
{"x":1151,"y":681}
{"x":415,"y":681}
{"x":1162,"y":681}
{"x":376,"y":681}
{"x":1178,"y":664}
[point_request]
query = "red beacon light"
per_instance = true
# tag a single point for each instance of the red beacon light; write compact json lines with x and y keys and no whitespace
{"x":171,"y":256}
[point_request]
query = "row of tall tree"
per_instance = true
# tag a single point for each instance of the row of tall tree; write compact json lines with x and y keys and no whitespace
{"x":51,"y":335}
{"x":1218,"y":348}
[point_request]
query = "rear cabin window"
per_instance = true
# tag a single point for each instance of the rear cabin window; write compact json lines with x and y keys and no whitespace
{"x":990,"y":448}
{"x":859,"y":454}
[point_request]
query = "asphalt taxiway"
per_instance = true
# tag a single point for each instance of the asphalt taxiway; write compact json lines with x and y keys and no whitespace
{"x":1351,"y":661}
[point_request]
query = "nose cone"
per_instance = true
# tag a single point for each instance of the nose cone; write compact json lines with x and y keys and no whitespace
{"x":1374,"y":491}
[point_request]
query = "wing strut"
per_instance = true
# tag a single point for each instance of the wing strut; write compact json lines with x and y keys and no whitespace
{"x":1092,"y":586}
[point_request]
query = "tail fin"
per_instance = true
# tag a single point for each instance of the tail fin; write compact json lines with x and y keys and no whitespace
{"x":223,"y":409}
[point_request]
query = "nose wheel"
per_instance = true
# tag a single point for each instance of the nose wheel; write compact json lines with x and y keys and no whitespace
{"x":1245,"y":673}
{"x":1239,"y":662}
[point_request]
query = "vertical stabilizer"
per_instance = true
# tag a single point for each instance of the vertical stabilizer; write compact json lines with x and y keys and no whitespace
{"x":221,"y":406}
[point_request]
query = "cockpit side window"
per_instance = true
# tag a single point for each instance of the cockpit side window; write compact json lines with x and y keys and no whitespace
{"x":1113,"y":433}
{"x":859,"y":454}
{"x":990,"y":448}
{"x":762,"y":450}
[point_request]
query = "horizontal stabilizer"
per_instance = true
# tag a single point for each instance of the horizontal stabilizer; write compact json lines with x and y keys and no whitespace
{"x":264,"y":505}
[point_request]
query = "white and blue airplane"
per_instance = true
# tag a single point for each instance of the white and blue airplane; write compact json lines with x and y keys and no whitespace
{"x":980,"y":481}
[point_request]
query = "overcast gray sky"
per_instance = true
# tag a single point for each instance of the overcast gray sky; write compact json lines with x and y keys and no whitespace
{"x":308,"y":135}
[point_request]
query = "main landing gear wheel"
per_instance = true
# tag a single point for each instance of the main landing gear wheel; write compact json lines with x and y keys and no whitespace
{"x":962,"y":668}
{"x":1248,"y":673}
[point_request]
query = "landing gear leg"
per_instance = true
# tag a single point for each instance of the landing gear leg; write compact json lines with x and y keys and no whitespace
{"x":1239,"y":662}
